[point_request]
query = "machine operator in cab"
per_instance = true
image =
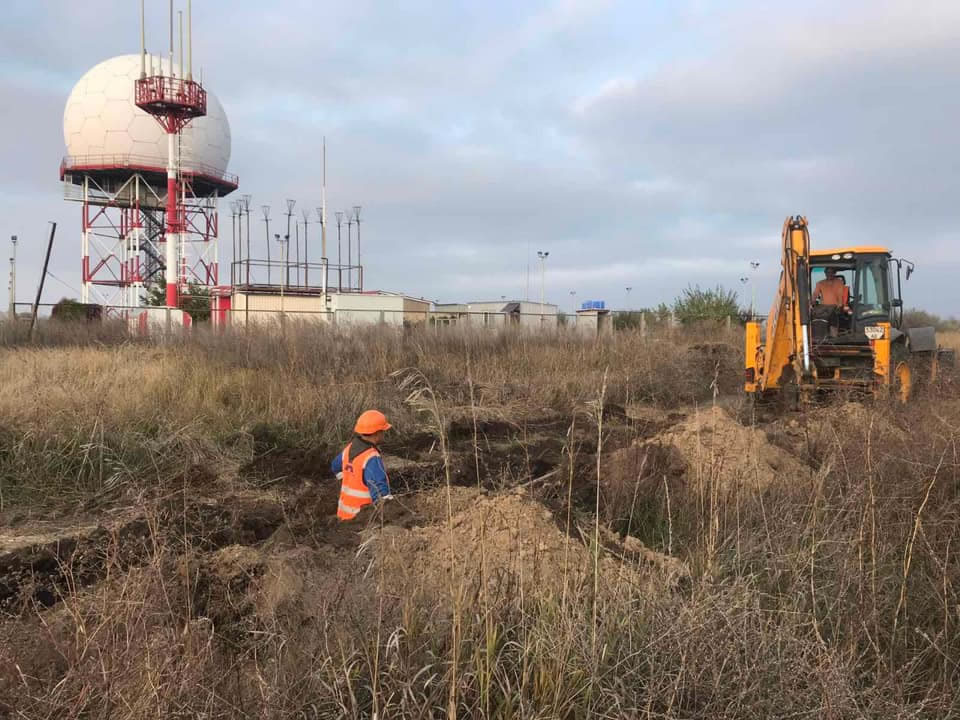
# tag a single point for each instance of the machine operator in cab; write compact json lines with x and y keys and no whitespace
{"x":832,"y":290}
{"x":363,"y":479}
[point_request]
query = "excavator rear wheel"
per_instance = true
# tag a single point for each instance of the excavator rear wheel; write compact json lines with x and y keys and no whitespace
{"x":903,"y":381}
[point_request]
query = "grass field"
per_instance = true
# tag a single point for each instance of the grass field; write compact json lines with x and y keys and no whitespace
{"x":581,"y":529}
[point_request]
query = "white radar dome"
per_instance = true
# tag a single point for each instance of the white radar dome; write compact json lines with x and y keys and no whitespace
{"x":101,"y":120}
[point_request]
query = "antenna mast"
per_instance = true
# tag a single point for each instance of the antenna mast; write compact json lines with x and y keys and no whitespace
{"x":190,"y":40}
{"x":143,"y":44}
{"x":13,"y":279}
{"x":323,"y":196}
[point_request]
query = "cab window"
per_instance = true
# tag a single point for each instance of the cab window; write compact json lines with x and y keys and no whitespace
{"x":820,"y":273}
{"x":871,"y":288}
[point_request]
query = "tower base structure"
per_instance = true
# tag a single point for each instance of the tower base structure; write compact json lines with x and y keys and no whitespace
{"x":124,"y":230}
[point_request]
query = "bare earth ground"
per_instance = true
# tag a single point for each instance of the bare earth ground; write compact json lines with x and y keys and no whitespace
{"x":629,"y":556}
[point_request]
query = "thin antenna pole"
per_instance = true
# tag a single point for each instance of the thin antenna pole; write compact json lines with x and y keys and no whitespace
{"x":296,"y":233}
{"x":528,"y":269}
{"x":13,"y":279}
{"x":190,"y":43}
{"x":143,"y":43}
{"x":306,"y":261}
{"x":350,"y":251}
{"x":266,"y":221}
{"x":180,"y":22}
{"x":246,"y":209}
{"x":172,"y":74}
{"x":339,"y":216}
{"x":286,"y":256}
{"x":323,"y":196}
{"x":356,"y":211}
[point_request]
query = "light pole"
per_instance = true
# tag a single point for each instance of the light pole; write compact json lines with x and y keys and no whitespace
{"x":543,"y":255}
{"x":754,"y":265}
{"x":265,"y":209}
{"x":628,"y":296}
{"x":573,"y":301}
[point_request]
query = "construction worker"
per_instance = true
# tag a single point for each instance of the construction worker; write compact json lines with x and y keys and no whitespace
{"x":360,"y":467}
{"x":832,"y":290}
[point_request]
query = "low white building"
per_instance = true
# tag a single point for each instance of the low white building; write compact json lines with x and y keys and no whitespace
{"x":249,"y":306}
{"x":498,"y":314}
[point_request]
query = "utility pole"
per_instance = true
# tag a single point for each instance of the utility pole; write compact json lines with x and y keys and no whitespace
{"x":543,"y":255}
{"x":356,"y":215}
{"x":13,"y":279}
{"x":43,"y":276}
{"x":265,"y":209}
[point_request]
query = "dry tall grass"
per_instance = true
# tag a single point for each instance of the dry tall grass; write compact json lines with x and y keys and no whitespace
{"x":834,"y":594}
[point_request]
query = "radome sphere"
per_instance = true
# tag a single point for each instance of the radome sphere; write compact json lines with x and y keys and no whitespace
{"x":102,"y":120}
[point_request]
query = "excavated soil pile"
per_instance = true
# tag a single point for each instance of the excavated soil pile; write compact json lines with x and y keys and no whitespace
{"x":716,"y":449}
{"x":508,"y":541}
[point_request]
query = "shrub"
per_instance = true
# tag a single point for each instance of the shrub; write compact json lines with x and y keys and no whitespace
{"x":695,"y":304}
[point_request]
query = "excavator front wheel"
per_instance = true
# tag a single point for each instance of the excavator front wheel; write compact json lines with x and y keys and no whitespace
{"x":903,"y":382}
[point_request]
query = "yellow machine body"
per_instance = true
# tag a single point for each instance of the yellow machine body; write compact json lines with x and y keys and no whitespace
{"x":785,"y":353}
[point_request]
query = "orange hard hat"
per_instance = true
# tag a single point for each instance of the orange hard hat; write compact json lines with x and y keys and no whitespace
{"x":370,"y":422}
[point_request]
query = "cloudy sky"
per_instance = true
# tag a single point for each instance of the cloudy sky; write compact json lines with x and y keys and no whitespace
{"x":643,"y":144}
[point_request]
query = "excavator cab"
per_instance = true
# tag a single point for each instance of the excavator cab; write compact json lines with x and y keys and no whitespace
{"x":852,"y":289}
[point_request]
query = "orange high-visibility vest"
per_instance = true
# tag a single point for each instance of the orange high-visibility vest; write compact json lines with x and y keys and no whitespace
{"x":354,"y":493}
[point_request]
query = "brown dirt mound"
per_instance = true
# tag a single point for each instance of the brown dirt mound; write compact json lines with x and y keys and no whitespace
{"x":509,"y":540}
{"x":715,"y":448}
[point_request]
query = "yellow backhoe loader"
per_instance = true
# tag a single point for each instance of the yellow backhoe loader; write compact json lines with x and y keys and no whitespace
{"x":836,"y":323}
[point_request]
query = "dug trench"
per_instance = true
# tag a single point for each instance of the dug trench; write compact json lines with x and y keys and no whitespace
{"x":284,"y":497}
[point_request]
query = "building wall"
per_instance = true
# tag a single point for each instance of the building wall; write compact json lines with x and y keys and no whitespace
{"x":363,"y":309}
{"x":489,"y":314}
{"x":263,"y":307}
{"x":594,"y":323}
{"x":415,"y":312}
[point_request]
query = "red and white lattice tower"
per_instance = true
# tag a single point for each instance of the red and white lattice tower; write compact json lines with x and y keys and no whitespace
{"x":147,"y":152}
